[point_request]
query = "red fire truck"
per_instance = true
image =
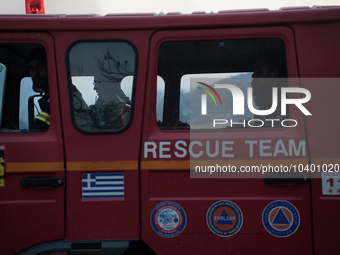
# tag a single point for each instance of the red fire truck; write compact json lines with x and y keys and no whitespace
{"x":137,"y":158}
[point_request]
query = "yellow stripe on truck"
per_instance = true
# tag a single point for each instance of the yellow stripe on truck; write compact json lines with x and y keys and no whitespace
{"x":101,"y":165}
{"x":32,"y":167}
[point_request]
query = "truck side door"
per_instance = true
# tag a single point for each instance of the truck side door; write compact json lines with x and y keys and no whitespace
{"x":32,"y":161}
{"x":200,"y":185}
{"x":102,"y":94}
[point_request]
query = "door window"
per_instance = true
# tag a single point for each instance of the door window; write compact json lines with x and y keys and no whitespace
{"x":101,"y":85}
{"x":203,"y":79}
{"x":29,"y":104}
{"x":24,"y":99}
{"x":2,"y":87}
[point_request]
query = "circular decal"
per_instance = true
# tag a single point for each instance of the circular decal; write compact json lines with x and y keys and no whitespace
{"x":224,"y":218}
{"x":168,"y":219}
{"x":280,"y":218}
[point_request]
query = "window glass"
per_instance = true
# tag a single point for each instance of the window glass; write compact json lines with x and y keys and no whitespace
{"x":160,"y":97}
{"x":2,"y":87}
{"x":101,"y":88}
{"x":201,"y":81}
{"x":25,"y":102}
{"x":29,"y":104}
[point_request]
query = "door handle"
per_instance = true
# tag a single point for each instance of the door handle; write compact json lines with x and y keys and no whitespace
{"x":41,"y":182}
{"x":285,"y":179}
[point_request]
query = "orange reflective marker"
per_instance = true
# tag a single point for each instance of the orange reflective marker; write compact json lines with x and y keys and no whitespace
{"x":35,"y":7}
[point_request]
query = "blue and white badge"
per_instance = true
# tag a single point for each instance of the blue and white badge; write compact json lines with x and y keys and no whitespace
{"x":280,"y":218}
{"x":168,"y":219}
{"x":224,"y":218}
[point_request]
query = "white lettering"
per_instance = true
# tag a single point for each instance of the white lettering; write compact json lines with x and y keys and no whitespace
{"x":238,"y":100}
{"x":297,"y":101}
{"x":262,"y":112}
{"x":209,"y":154}
{"x":227,"y":148}
{"x":280,"y":148}
{"x":263,"y":147}
{"x":253,"y":121}
{"x":224,"y":149}
{"x":219,"y":122}
{"x":243,"y":123}
{"x":289,"y":120}
{"x":204,"y":104}
{"x":150,"y":147}
{"x":163,"y":149}
{"x":251,"y":147}
{"x":191,"y":152}
{"x":238,"y":97}
{"x":272,"y":120}
{"x":300,"y":151}
{"x":183,"y":150}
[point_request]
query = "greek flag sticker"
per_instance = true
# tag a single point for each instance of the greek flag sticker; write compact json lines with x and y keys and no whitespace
{"x":103,"y":185}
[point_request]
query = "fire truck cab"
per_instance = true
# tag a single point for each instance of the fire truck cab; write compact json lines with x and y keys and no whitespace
{"x":132,"y":161}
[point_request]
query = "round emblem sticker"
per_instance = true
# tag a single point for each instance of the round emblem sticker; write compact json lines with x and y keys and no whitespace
{"x":280,"y":218}
{"x":168,"y":219}
{"x":224,"y":218}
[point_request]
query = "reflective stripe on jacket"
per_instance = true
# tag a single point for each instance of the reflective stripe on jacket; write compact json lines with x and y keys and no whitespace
{"x":44,"y":117}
